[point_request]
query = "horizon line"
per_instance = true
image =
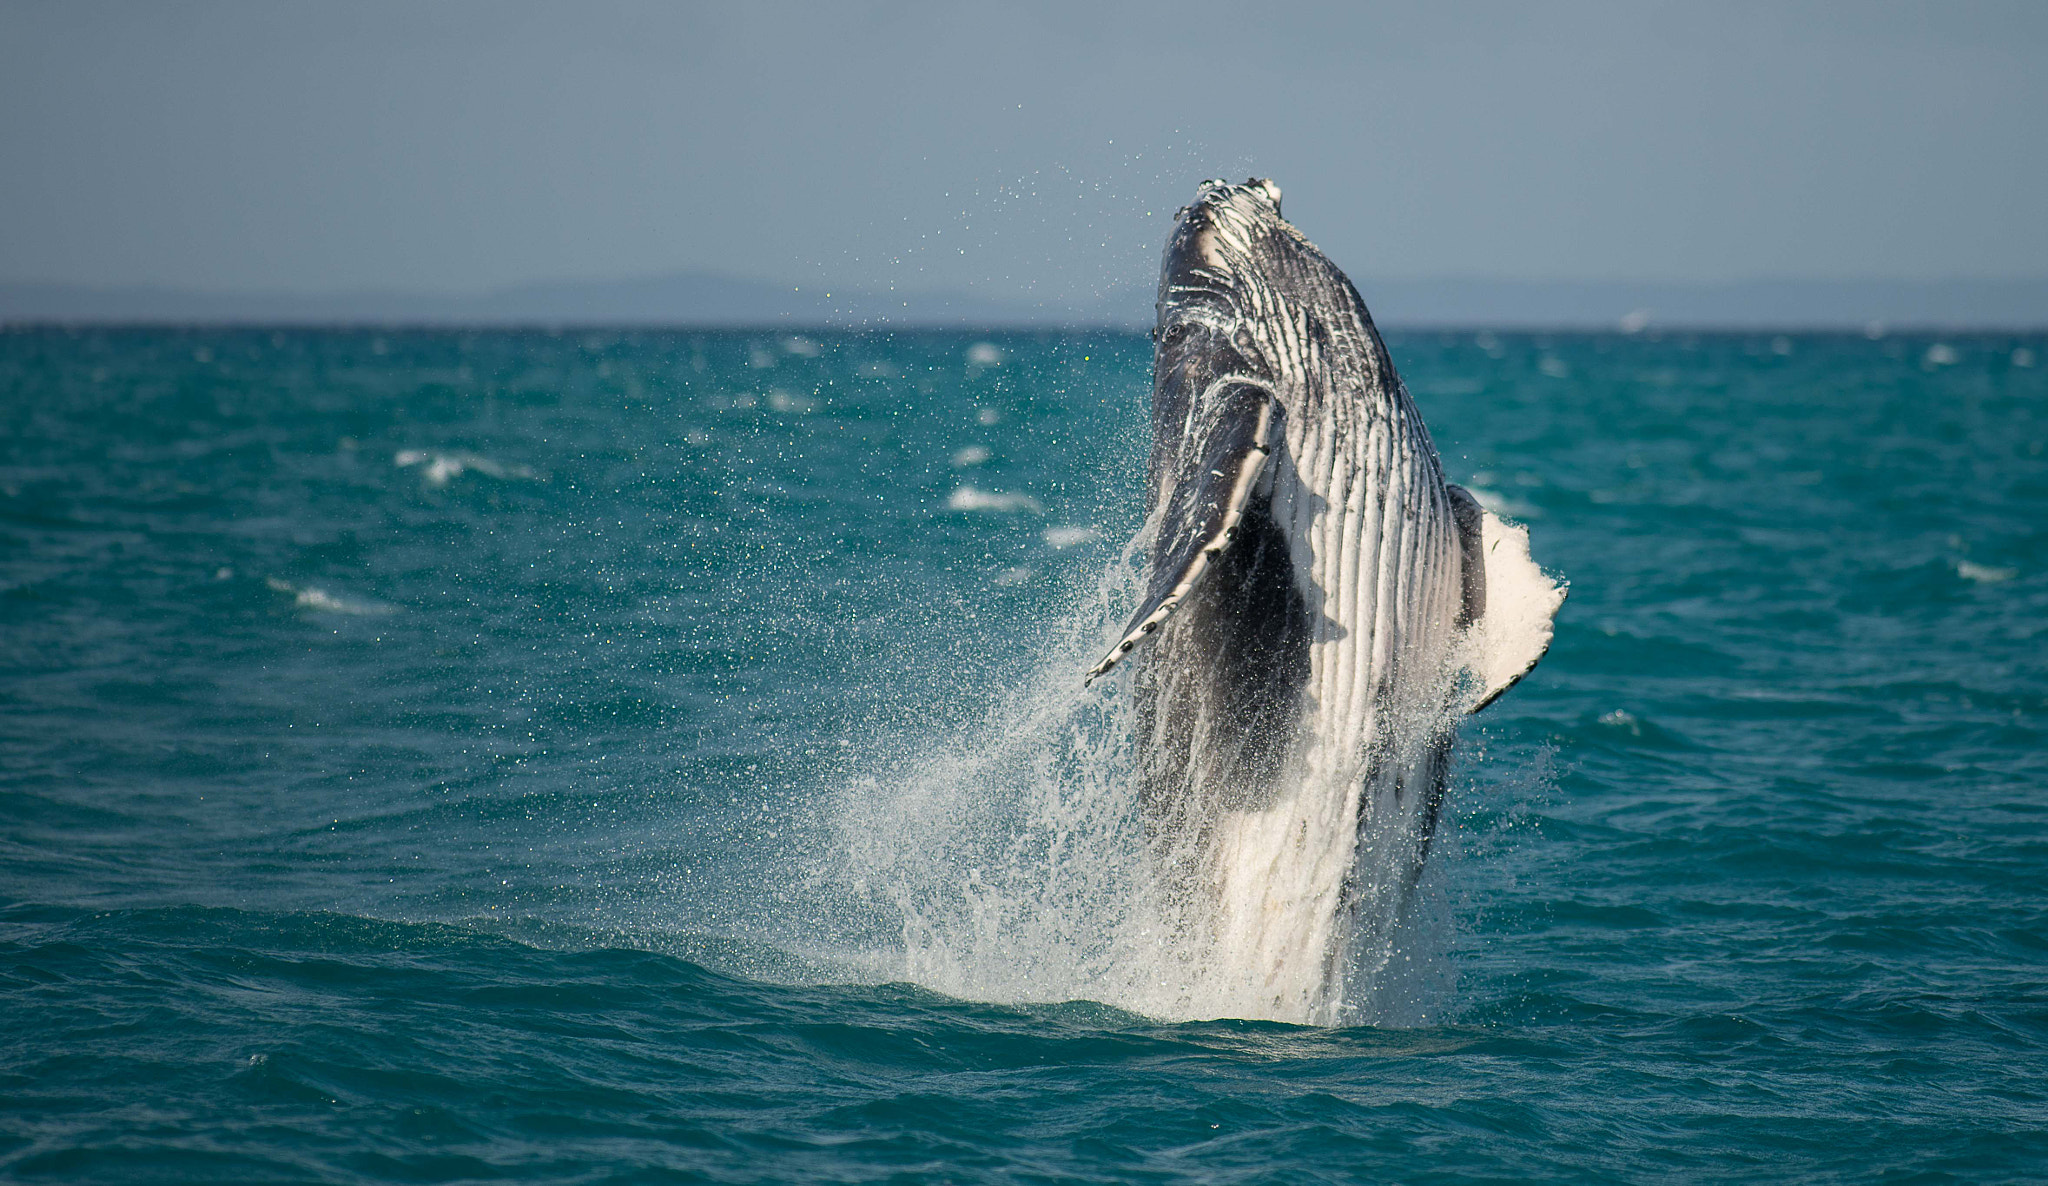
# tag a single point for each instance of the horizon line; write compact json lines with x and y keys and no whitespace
{"x":888,"y":289}
{"x":1875,"y":330}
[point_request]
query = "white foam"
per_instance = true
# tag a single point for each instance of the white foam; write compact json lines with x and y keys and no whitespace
{"x":442,"y":468}
{"x":984,"y":354}
{"x":315,"y":598}
{"x":1070,"y":537}
{"x":1984,"y":573}
{"x":970,"y":456}
{"x":967,"y":498}
{"x":1621,"y":718}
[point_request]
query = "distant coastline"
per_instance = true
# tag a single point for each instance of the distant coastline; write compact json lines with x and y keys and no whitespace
{"x":706,"y":300}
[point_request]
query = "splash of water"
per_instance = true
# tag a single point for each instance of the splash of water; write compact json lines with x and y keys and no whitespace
{"x":1016,"y":864}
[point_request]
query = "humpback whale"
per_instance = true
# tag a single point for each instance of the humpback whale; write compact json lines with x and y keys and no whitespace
{"x":1320,"y":608}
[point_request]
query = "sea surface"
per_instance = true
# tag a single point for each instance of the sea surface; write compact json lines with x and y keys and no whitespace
{"x":593,"y":757}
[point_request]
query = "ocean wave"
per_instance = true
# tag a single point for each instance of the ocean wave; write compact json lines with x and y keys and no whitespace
{"x":443,"y":468}
{"x":1984,"y":574}
{"x":313,"y":597}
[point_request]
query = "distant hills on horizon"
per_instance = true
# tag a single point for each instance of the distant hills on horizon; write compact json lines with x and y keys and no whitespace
{"x":704,"y":300}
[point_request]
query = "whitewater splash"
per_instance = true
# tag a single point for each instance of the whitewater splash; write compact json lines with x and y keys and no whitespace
{"x":1015,"y":864}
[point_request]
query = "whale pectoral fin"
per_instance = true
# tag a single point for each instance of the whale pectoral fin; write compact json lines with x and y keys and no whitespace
{"x":1516,"y":603}
{"x":1218,"y":470}
{"x":1471,"y":520}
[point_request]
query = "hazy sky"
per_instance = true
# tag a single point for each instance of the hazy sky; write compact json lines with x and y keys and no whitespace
{"x":1012,"y":147}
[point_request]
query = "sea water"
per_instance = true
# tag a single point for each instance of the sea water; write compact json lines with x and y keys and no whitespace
{"x":591,"y":756}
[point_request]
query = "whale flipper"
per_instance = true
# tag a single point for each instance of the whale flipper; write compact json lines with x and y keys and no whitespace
{"x":1511,"y":628}
{"x":1471,"y":520}
{"x":1217,"y":472}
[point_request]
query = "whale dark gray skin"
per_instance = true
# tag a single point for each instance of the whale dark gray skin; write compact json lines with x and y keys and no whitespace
{"x":1320,"y":606}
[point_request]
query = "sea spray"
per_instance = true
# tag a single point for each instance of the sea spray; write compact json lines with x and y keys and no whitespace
{"x":1009,"y":858}
{"x":1014,"y":862}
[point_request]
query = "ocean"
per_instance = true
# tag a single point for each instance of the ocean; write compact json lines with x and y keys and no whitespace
{"x":662,"y":756}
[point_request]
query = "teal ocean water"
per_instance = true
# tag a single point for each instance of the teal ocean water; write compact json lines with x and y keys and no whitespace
{"x":597,"y":757}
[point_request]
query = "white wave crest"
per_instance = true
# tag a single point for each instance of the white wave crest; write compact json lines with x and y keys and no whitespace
{"x":443,"y":468}
{"x":315,"y":598}
{"x":1984,"y":574}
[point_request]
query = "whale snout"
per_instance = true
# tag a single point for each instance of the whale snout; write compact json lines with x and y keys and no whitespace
{"x":1222,"y":212}
{"x":1256,"y":188}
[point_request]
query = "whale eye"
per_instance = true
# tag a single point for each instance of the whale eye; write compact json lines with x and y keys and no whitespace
{"x":1175,"y":332}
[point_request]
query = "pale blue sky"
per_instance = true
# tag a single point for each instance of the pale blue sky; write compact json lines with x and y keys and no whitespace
{"x":1012,"y":148}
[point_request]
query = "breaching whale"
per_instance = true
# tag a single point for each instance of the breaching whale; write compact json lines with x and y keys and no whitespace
{"x":1320,"y":608}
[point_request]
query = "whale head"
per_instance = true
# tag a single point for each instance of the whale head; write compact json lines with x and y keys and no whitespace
{"x":1215,"y":297}
{"x":1214,"y":270}
{"x":1256,"y":330}
{"x":1216,"y":405}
